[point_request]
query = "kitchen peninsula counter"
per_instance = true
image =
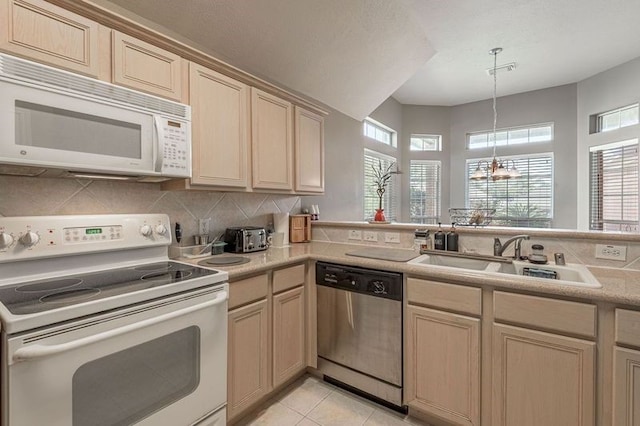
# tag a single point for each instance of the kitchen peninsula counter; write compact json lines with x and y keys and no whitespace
{"x":620,"y":286}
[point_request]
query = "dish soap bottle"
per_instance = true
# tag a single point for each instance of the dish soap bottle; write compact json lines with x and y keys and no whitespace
{"x":439,"y":239}
{"x":452,"y":239}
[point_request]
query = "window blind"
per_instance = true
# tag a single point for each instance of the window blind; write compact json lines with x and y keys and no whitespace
{"x":371,"y":199}
{"x":525,"y":201}
{"x":614,"y":187}
{"x":424,"y":191}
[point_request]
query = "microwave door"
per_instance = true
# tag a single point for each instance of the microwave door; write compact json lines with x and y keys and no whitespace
{"x":51,"y":129}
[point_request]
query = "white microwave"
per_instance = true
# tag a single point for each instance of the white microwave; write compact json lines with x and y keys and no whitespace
{"x":56,"y":123}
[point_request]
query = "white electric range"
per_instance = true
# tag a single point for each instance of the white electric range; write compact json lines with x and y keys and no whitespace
{"x":99,"y":327}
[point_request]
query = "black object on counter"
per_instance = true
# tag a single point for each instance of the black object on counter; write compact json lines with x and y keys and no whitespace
{"x":439,"y":239}
{"x":452,"y":239}
{"x":178,"y":232}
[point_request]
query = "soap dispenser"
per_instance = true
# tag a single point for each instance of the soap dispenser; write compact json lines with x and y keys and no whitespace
{"x":439,"y":239}
{"x":452,"y":239}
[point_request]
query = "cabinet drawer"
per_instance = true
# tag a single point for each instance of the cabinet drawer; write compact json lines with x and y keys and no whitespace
{"x":247,"y":290}
{"x":628,"y":327}
{"x":446,"y":296}
{"x":549,"y":314}
{"x":284,"y":279}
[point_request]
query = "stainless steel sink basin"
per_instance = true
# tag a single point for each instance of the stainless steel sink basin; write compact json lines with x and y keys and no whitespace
{"x":453,"y":262}
{"x":570,"y":274}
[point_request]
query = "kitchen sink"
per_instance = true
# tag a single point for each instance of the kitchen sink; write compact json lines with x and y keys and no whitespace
{"x":569,"y":274}
{"x":455,"y":262}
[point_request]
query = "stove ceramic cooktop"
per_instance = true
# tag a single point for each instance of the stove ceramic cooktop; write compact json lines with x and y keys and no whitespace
{"x":53,"y":293}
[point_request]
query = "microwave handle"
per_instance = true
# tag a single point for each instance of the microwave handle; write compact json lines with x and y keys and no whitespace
{"x":158,"y":143}
{"x":32,"y":352}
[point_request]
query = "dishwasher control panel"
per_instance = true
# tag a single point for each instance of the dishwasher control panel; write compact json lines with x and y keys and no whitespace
{"x":360,"y":280}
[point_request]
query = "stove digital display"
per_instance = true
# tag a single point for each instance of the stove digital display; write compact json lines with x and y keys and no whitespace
{"x":93,"y":231}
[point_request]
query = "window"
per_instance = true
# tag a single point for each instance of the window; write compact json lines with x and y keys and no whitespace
{"x":371,"y":200}
{"x":614,"y":186}
{"x":617,"y":118}
{"x":379,"y":132}
{"x":424,"y":187}
{"x":511,"y":136}
{"x":426,"y":143}
{"x":525,"y":201}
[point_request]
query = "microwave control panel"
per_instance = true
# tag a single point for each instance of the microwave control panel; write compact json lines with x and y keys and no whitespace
{"x":176,"y":152}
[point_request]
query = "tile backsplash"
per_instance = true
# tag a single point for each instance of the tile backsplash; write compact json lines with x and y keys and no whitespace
{"x":22,"y":196}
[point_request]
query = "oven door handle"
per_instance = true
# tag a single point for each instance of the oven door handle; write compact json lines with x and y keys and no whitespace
{"x":32,"y":352}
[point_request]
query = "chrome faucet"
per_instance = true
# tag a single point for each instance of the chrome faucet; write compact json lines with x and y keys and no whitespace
{"x":499,"y":248}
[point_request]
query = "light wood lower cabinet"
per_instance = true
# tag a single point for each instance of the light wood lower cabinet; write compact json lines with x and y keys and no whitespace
{"x":626,"y":387}
{"x":443,"y":373}
{"x":542,"y":379}
{"x":288,"y":335}
{"x":47,"y":33}
{"x":248,"y":351}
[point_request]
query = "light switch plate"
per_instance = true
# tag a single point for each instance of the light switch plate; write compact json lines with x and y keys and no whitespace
{"x":355,"y":234}
{"x":610,"y":252}
{"x":392,"y":237}
{"x":370,"y":236}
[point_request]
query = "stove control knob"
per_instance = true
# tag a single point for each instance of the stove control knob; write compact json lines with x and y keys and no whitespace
{"x":6,"y":240}
{"x":146,"y":230}
{"x":29,"y":239}
{"x":161,"y":229}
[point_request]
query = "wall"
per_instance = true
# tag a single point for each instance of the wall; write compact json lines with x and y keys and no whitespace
{"x":344,"y":146}
{"x":22,"y":196}
{"x":557,"y":105}
{"x":614,"y":88}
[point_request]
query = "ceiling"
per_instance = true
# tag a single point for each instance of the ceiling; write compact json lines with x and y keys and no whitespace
{"x":352,"y":55}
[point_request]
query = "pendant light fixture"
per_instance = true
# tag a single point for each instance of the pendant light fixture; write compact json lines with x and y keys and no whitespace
{"x":497,"y":168}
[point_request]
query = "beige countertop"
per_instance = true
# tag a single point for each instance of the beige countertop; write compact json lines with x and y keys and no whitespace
{"x":621,"y":286}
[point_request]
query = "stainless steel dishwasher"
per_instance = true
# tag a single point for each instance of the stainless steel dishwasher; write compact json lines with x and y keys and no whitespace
{"x":360,"y":330}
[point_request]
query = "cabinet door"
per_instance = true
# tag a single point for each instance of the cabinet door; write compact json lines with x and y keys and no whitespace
{"x":272,"y":142}
{"x":309,"y":153}
{"x":248,"y":362}
{"x":47,"y":33}
{"x":626,"y":387}
{"x":542,"y":379}
{"x":143,"y":66}
{"x":443,"y":365}
{"x":288,"y":335}
{"x":220,"y":128}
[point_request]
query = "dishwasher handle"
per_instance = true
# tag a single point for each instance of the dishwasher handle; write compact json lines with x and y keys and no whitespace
{"x":33,"y":352}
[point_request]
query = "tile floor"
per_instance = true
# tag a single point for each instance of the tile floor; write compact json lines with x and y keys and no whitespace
{"x":312,"y":402}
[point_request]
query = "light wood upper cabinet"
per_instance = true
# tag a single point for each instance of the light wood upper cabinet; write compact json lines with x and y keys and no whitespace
{"x":271,"y":141}
{"x":288,"y":335}
{"x":143,"y":66}
{"x":248,"y":356}
{"x":542,"y":379}
{"x":309,"y":151}
{"x":220,"y":129}
{"x":442,"y":375}
{"x":47,"y":33}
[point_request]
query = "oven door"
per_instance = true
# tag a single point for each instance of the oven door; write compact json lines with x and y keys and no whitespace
{"x":160,"y":363}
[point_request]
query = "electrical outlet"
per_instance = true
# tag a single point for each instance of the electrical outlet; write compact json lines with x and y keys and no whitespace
{"x":370,"y":236}
{"x":355,"y":234}
{"x":611,"y":252}
{"x":392,"y":237}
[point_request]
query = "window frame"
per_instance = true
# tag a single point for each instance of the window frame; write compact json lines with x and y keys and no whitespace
{"x":437,"y":197}
{"x":507,"y":130}
{"x":529,"y":221}
{"x":422,"y":136}
{"x":393,"y":135}
{"x":599,"y":118}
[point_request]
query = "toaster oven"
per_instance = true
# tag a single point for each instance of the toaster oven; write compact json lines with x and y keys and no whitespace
{"x":245,"y":239}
